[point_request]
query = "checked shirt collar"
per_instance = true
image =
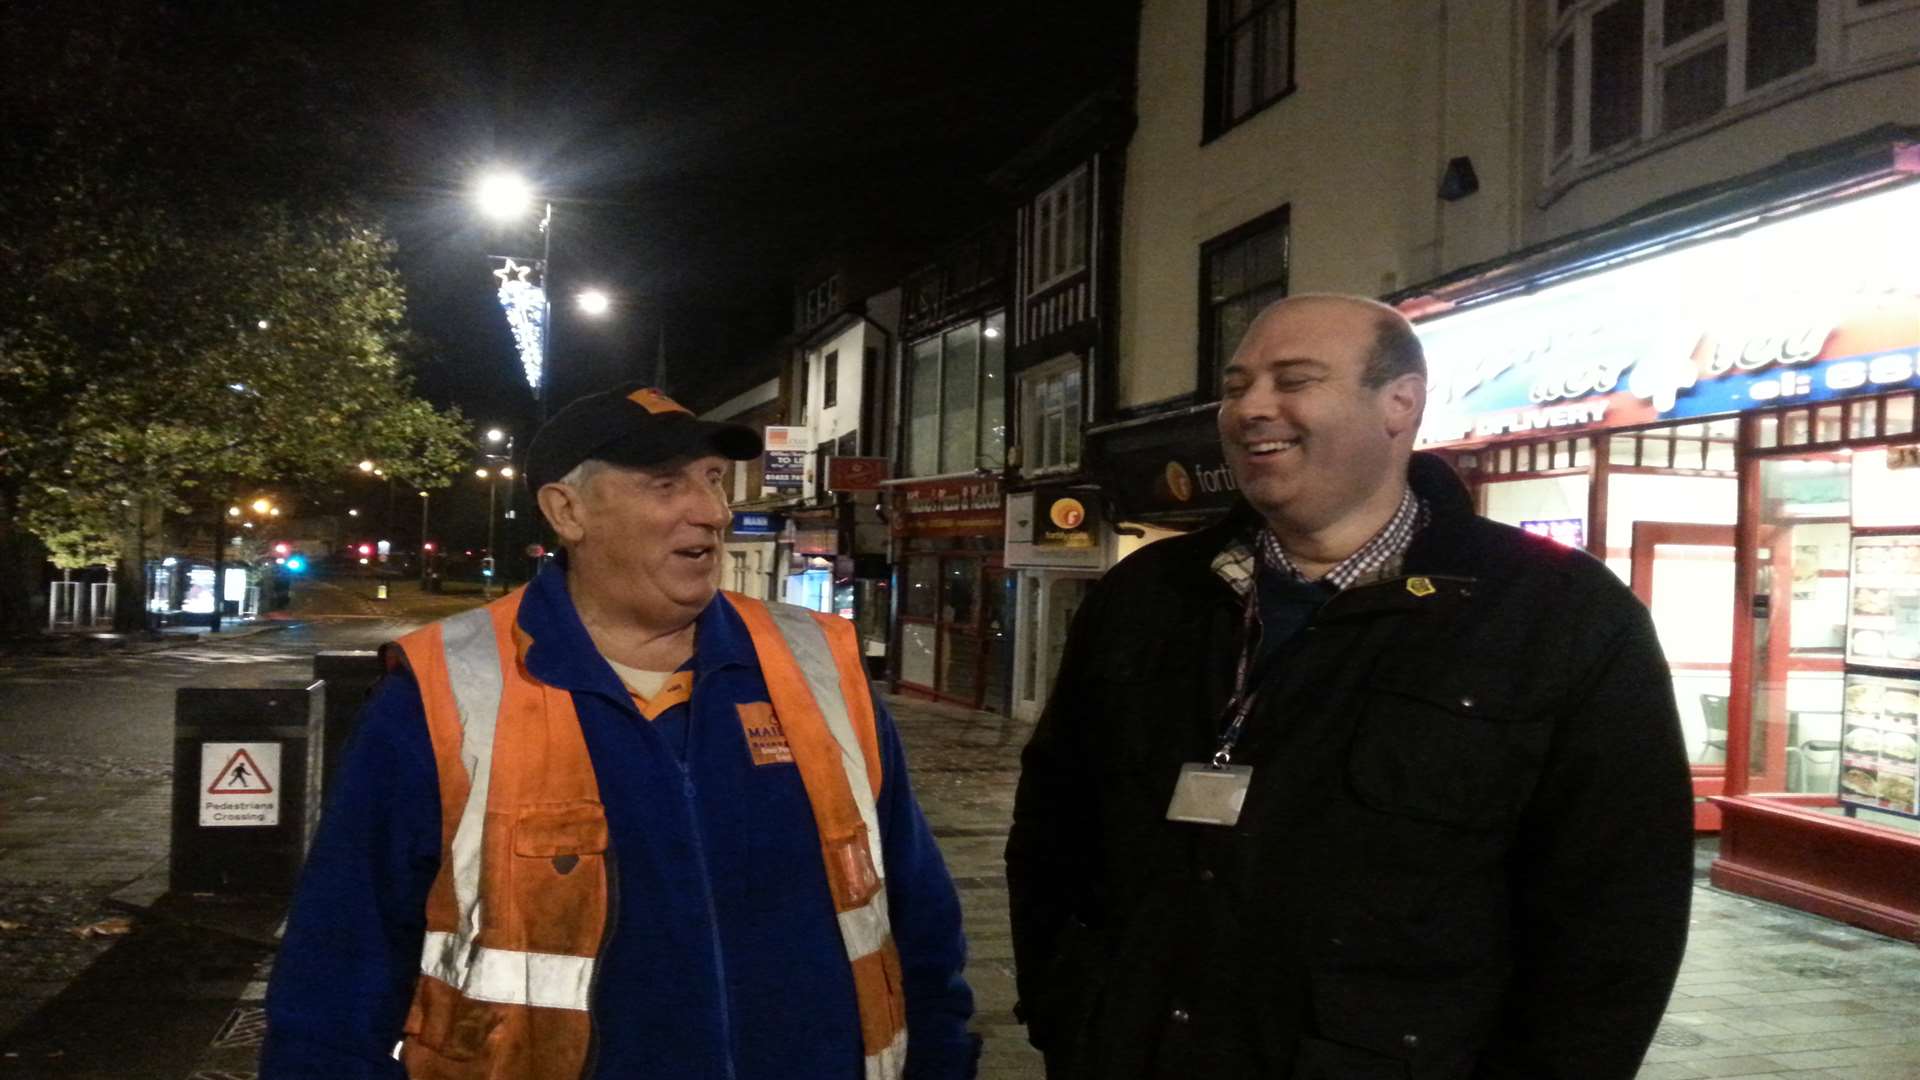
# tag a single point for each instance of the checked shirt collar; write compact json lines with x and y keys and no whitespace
{"x":1380,"y":557}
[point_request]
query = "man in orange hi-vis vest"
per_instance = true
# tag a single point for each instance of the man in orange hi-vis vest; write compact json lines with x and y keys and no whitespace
{"x":620,"y":824}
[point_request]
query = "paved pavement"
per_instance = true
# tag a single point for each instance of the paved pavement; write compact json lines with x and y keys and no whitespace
{"x":173,"y":991}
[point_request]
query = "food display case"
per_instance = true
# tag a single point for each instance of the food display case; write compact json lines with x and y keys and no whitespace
{"x":1878,"y":742}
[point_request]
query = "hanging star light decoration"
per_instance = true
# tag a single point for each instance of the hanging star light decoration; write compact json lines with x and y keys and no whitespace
{"x":526,"y":307}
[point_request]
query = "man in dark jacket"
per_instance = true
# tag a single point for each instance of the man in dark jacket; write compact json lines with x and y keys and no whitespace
{"x":1431,"y":812}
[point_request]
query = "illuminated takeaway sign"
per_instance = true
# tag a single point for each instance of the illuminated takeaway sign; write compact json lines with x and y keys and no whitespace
{"x":1819,"y":306}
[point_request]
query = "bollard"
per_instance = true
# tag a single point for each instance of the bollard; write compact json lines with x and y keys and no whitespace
{"x":246,"y":766}
{"x":350,"y":679}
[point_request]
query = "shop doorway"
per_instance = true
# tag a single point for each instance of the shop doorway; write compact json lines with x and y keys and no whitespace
{"x":1048,"y":602}
{"x":1684,"y":573}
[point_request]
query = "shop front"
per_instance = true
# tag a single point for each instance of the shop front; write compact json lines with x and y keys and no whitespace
{"x":1727,"y":419}
{"x":1057,"y":546}
{"x":954,"y":622}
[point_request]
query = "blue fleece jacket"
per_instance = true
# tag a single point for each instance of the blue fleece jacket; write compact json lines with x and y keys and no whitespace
{"x":724,"y":959}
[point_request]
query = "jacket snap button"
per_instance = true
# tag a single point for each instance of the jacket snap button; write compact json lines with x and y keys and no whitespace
{"x":1206,"y":875}
{"x":1466,"y":701}
{"x":1410,"y":1041}
{"x":1180,"y":1016}
{"x":1336,"y":943}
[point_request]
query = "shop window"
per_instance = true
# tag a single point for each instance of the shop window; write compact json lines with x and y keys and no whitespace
{"x":1836,"y":654}
{"x":956,"y":399}
{"x":1897,"y":415}
{"x":1241,"y":272}
{"x":1697,"y":57}
{"x":1249,"y":59}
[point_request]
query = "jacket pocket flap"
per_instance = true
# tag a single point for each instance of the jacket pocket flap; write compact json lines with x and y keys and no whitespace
{"x":563,"y":829}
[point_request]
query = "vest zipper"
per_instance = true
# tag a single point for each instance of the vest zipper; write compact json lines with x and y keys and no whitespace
{"x":713,"y":920}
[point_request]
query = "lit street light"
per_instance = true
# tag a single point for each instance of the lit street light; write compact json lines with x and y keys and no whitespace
{"x":593,"y":302}
{"x":495,"y":435}
{"x":503,"y":196}
{"x":366,"y":466}
{"x":261,"y":506}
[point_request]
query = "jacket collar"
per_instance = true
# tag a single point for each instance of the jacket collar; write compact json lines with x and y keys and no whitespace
{"x":556,"y":649}
{"x":1428,"y":476}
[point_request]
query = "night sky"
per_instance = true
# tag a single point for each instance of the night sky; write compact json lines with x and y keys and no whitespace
{"x":698,"y":158}
{"x":697,"y":155}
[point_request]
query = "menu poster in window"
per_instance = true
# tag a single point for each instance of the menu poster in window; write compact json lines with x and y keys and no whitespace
{"x":1878,"y":737}
{"x":1883,"y":620}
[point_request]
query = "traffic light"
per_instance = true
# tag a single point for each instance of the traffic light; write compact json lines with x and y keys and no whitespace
{"x":282,"y":548}
{"x":366,"y":549}
{"x":486,"y":566}
{"x":427,"y":547}
{"x":296,"y":564}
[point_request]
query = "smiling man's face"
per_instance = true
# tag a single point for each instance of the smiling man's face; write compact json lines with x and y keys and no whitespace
{"x":1310,"y":444}
{"x":650,"y":537}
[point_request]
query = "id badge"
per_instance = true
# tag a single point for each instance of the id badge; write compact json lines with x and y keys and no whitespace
{"x":1205,"y":795}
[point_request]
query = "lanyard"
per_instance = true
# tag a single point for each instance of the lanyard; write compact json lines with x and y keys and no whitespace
{"x":1240,"y":706}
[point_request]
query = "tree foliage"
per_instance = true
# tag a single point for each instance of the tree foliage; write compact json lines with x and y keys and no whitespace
{"x":198,"y":304}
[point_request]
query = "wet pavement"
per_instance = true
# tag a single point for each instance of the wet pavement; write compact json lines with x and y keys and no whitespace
{"x":162,"y":989}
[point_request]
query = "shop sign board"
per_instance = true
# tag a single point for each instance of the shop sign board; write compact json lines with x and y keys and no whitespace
{"x":239,"y":784}
{"x":1055,"y":526}
{"x":746,"y":523}
{"x":785,"y":459}
{"x":962,"y":506}
{"x":856,"y":473}
{"x":1170,"y":468}
{"x":1820,"y":306}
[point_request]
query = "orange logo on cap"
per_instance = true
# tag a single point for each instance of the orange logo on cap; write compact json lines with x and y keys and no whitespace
{"x":656,"y":402}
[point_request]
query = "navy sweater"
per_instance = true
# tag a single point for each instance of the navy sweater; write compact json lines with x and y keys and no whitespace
{"x":724,"y":959}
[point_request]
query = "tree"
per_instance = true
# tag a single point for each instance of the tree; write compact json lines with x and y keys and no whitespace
{"x":197,"y":305}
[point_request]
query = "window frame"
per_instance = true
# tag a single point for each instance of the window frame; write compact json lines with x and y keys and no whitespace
{"x":830,"y":379}
{"x":1033,"y":418}
{"x":1068,"y":199}
{"x":1280,"y":217}
{"x":1216,"y":121}
{"x":983,"y":385}
{"x":1574,"y":21}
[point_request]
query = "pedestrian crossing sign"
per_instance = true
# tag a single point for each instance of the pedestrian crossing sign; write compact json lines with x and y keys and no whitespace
{"x":239,"y":784}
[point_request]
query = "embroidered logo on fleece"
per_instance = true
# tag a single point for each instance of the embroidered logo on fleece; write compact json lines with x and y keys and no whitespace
{"x":766,"y":739}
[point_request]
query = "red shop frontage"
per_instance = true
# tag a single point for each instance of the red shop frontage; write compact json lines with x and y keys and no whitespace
{"x":955,"y":607}
{"x":1727,"y":417}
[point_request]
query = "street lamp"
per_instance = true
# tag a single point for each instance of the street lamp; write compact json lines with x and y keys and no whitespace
{"x":495,"y":436}
{"x":593,"y":302}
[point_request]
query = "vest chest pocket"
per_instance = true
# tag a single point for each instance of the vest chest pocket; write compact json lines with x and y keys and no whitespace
{"x":1456,"y":750}
{"x":559,"y":873}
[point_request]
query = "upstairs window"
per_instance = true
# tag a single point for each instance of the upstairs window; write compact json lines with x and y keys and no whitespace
{"x":830,"y":370}
{"x":820,"y":301}
{"x":1059,"y":230}
{"x":1050,"y":411}
{"x":1249,"y":59}
{"x":1622,"y":72}
{"x":956,"y":399}
{"x":1241,"y":272}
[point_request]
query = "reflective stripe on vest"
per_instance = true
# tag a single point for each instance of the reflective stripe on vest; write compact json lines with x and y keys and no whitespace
{"x":816,"y":682}
{"x":812,"y":667}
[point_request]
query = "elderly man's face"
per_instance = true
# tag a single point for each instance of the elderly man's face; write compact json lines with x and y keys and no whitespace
{"x":1309,"y":443}
{"x":651,"y":537}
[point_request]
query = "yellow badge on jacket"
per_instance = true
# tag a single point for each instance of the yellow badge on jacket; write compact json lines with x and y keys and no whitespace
{"x":1420,"y":587}
{"x":766,"y":739}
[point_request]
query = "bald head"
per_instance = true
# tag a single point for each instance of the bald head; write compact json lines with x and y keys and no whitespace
{"x":1393,"y":349}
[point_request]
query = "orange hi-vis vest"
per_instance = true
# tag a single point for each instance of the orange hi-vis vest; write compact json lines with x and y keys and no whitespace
{"x":518,"y":912}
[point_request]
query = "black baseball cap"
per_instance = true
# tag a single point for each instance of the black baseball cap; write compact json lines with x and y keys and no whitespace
{"x":630,"y":425}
